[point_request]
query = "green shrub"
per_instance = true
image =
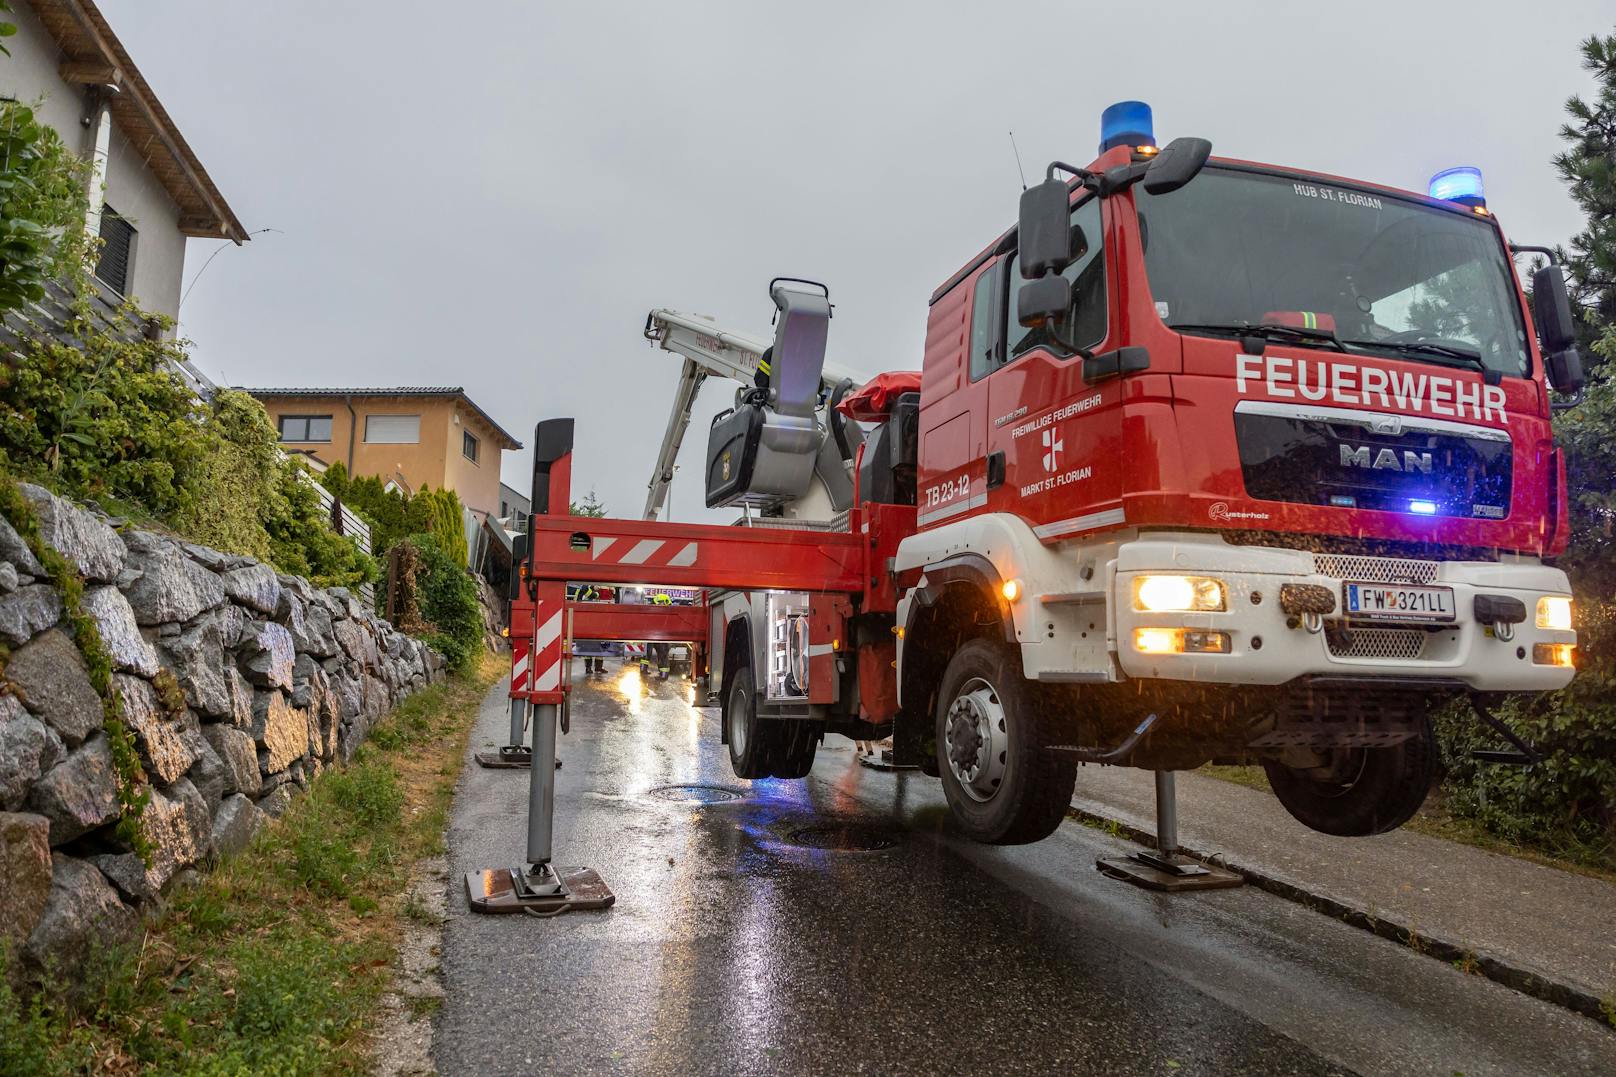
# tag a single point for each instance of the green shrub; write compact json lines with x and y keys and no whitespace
{"x":447,"y":599}
{"x":42,"y":199}
{"x":1567,"y":804}
{"x":301,"y":540}
{"x":238,"y":485}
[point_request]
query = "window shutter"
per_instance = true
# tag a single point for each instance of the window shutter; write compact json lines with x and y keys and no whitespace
{"x":117,"y":251}
{"x":392,"y":429}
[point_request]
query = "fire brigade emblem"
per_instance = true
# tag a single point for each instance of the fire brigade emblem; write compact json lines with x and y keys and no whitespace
{"x":1053,"y":446}
{"x":725,"y":461}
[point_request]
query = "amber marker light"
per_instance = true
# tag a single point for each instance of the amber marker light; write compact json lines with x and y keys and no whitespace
{"x":1158,"y":640}
{"x":1011,"y":590}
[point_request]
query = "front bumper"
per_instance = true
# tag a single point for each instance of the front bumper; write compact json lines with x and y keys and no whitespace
{"x":1269,"y":646}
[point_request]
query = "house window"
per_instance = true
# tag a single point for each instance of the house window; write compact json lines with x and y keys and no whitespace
{"x":392,"y":429}
{"x":117,"y":260}
{"x":305,"y":428}
{"x":468,"y":445}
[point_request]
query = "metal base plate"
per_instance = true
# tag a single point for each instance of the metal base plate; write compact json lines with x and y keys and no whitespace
{"x":508,"y":758}
{"x":495,"y":890}
{"x":1184,"y":874}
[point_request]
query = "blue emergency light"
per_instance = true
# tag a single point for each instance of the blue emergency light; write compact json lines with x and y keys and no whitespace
{"x":1461,"y":185}
{"x":1126,"y":123}
{"x":1423,"y":508}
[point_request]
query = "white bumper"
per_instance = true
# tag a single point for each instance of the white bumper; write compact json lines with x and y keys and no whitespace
{"x":1075,"y":622}
{"x":1265,"y":649}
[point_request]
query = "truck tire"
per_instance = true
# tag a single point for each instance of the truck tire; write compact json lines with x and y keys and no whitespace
{"x":794,"y":757}
{"x":1368,"y":790}
{"x":1002,"y":787}
{"x":752,"y":741}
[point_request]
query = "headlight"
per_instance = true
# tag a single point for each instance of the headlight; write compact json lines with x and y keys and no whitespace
{"x":1554,"y":611}
{"x":1177,"y":594}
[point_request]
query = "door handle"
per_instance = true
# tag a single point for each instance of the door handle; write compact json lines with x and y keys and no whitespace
{"x":995,"y":469}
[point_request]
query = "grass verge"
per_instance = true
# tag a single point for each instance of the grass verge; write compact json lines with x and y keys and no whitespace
{"x":1434,"y":820}
{"x":275,"y":961}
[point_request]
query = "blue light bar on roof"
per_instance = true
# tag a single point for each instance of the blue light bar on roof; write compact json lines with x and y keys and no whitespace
{"x":1461,"y":185}
{"x":1126,"y":123}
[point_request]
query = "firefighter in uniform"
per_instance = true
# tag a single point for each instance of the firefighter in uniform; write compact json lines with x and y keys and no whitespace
{"x":657,"y":652}
{"x":588,"y":593}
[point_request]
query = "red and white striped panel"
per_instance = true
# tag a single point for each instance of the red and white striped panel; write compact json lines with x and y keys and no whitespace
{"x":547,"y":653}
{"x":521,"y":667}
{"x":654,"y":553}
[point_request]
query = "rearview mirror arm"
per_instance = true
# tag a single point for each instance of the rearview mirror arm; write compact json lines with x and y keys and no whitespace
{"x":1084,"y":177}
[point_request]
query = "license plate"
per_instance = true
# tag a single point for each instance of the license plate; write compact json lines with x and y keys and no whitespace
{"x":1395,"y":602}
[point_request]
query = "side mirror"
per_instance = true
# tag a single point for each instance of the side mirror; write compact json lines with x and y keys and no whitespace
{"x":1043,"y":300}
{"x":1043,"y":232}
{"x":1176,"y":165}
{"x":1564,"y":369}
{"x":1551,"y":309}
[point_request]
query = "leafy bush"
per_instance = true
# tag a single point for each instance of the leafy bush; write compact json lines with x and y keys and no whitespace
{"x":1567,"y":803}
{"x":301,"y":540}
{"x":447,"y":600}
{"x":105,"y":417}
{"x":42,"y":203}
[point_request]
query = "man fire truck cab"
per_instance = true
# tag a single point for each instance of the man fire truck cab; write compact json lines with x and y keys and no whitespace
{"x":1208,"y":460}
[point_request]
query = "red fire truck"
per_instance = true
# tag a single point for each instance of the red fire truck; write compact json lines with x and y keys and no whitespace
{"x":1206,"y":459}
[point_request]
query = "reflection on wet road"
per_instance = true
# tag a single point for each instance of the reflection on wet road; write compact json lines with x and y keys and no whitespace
{"x":835,"y":925}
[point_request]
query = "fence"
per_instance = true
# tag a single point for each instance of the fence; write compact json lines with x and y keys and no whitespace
{"x":344,"y":522}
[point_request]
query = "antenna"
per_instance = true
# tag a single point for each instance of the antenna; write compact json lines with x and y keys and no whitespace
{"x":1017,"y":152}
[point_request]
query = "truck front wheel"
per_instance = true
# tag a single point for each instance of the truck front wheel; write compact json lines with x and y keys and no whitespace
{"x":1356,"y":792}
{"x":1002,"y":787}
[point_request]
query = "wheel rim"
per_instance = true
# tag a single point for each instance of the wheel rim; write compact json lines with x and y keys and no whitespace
{"x":737,"y":722}
{"x":976,"y":740}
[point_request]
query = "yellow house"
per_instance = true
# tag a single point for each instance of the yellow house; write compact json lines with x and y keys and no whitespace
{"x":412,"y":436}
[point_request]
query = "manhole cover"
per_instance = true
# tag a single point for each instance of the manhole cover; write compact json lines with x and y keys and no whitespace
{"x":695,"y":794}
{"x":843,"y":837}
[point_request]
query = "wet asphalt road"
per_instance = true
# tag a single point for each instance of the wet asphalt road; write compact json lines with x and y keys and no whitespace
{"x":739,"y":945}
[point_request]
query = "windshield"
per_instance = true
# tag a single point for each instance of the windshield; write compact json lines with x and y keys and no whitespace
{"x":1383,"y":275}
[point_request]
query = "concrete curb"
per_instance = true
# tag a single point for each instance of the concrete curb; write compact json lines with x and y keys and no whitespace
{"x":1571,"y":997}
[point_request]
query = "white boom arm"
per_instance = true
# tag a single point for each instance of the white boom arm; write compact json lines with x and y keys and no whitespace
{"x":708,"y":349}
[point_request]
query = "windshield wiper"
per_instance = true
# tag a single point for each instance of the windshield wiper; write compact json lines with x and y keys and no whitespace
{"x":1433,"y":348}
{"x":1266,"y":330}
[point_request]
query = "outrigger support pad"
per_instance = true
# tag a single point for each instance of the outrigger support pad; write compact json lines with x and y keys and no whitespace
{"x":1164,"y":867}
{"x":540,"y":887}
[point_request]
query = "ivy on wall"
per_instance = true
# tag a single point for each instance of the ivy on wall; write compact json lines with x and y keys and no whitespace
{"x":134,"y":793}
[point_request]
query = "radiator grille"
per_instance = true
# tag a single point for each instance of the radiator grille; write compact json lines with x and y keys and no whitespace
{"x":1374,"y":569}
{"x":1396,"y":643}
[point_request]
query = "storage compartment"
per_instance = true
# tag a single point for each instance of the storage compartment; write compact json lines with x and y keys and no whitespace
{"x":787,"y":675}
{"x":732,"y":446}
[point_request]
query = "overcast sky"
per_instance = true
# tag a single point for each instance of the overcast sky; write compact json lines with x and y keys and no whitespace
{"x":493,"y":194}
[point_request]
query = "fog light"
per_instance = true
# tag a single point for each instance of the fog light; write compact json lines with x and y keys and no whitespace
{"x":1554,"y":611}
{"x":1199,"y":642}
{"x":1177,"y":594}
{"x":1553,"y":654}
{"x":1158,"y":640}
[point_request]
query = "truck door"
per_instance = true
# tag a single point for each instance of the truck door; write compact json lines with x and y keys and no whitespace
{"x":1060,"y":437}
{"x":952,"y":474}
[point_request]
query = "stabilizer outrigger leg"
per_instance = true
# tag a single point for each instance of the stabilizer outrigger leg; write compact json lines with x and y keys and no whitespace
{"x":516,"y":753}
{"x":1164,"y":867}
{"x":541,"y":887}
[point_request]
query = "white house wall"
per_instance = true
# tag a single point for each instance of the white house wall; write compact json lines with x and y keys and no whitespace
{"x":132,"y":189}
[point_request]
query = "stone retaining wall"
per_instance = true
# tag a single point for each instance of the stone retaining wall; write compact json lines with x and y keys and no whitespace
{"x":239,"y":686}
